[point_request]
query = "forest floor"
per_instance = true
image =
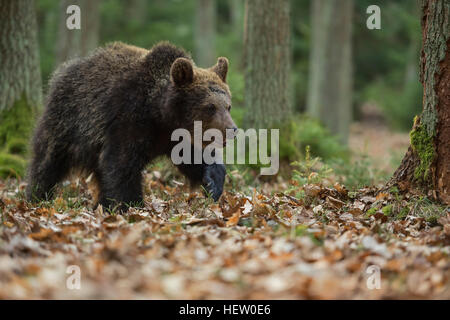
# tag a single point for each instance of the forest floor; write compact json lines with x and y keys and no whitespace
{"x":280,"y":240}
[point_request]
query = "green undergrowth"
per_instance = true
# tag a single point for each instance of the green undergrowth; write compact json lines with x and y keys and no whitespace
{"x":399,"y":207}
{"x":16,"y":126}
{"x":11,"y":165}
{"x":354,"y":174}
{"x":294,"y":136}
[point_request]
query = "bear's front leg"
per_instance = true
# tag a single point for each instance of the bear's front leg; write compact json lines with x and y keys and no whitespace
{"x":120,"y":179}
{"x":119,"y":191}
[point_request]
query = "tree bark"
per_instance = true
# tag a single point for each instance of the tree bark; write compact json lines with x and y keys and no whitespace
{"x":426,"y":165}
{"x":78,"y":43}
{"x":205,"y":33}
{"x":330,"y":75}
{"x":20,"y":77}
{"x":267,"y":63}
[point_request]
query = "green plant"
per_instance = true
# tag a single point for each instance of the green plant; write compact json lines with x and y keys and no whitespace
{"x":387,"y":210}
{"x":11,"y":165}
{"x":429,"y":210}
{"x":310,"y":170}
{"x":356,"y":174}
{"x":304,"y":131}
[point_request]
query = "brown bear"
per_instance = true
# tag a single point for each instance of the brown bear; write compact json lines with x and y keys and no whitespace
{"x":114,"y":111}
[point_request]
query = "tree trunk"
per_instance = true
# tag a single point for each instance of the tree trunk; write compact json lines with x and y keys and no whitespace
{"x":20,"y":77}
{"x":267,"y":63}
{"x":78,"y":43}
{"x":205,"y":33}
{"x":20,"y":82}
{"x":426,"y":165}
{"x":330,"y":75}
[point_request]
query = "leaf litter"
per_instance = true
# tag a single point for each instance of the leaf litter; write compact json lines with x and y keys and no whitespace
{"x":266,"y":244}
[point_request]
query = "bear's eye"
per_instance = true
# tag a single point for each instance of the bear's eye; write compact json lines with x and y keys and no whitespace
{"x":211,"y":109}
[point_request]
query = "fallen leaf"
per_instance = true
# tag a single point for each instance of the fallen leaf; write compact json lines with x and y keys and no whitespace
{"x":234,"y":219}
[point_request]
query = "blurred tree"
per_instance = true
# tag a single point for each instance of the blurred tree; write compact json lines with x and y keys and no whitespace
{"x":236,"y":16}
{"x":301,"y":36}
{"x":205,"y":33}
{"x":90,"y":25}
{"x":330,"y":80}
{"x":267,"y":63}
{"x":426,"y":165}
{"x":74,"y":43}
{"x":47,"y":14}
{"x":20,"y":79}
{"x":136,"y":11}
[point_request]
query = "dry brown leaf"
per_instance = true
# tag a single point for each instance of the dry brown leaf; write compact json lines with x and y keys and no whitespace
{"x":41,"y":235}
{"x":335,"y":203}
{"x":312,"y":190}
{"x":341,"y":189}
{"x":381,"y":196}
{"x":234,"y":219}
{"x":355,"y":211}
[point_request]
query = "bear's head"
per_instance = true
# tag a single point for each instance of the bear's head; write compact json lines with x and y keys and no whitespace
{"x":202,"y":95}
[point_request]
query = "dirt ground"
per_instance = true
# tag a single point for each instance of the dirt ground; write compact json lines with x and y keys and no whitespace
{"x":372,"y":136}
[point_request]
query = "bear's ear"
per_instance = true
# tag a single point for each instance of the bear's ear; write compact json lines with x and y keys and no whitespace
{"x":182,"y":72}
{"x":221,"y":68}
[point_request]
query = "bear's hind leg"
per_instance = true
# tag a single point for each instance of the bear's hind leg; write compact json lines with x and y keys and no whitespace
{"x":45,"y":171}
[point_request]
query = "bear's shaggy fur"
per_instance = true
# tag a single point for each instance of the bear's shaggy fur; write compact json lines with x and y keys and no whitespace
{"x":114,"y":111}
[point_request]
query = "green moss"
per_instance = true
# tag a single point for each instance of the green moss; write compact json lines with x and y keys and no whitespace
{"x":387,"y":210}
{"x":370,"y":212}
{"x":11,"y":165}
{"x":17,"y":146}
{"x":16,"y":125}
{"x":17,"y":121}
{"x":422,"y":144}
{"x":394,"y":190}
